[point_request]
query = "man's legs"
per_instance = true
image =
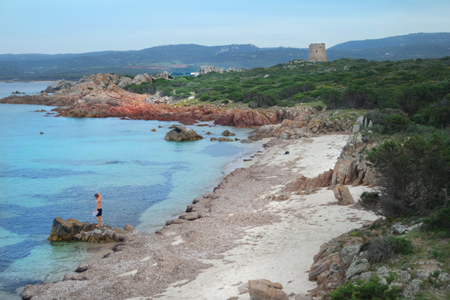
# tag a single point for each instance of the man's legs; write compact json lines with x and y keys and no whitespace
{"x":100,"y":221}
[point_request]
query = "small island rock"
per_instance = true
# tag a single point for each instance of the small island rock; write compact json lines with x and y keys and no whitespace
{"x":227,"y":133}
{"x":180,"y":133}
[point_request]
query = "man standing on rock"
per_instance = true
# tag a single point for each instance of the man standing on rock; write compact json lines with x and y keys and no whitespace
{"x":99,"y":209}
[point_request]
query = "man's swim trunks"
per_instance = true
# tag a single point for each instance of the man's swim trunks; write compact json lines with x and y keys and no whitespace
{"x":99,"y":212}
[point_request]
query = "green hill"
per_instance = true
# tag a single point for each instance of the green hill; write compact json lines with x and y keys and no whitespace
{"x":183,"y":59}
{"x":440,"y":38}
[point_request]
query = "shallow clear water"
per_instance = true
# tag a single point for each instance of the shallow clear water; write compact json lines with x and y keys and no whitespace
{"x":144,"y":180}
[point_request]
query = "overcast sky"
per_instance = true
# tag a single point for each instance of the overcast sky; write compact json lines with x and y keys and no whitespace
{"x":76,"y":26}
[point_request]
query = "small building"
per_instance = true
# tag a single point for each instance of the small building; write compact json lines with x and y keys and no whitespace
{"x":317,"y":52}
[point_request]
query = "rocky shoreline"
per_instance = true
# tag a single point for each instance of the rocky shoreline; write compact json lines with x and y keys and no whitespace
{"x":261,"y":221}
{"x":105,"y":95}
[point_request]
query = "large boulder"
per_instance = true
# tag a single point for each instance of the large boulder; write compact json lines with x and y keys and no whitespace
{"x":124,"y":82}
{"x":351,"y":167}
{"x":264,"y":289}
{"x":65,"y":230}
{"x":140,"y":78}
{"x":180,"y":133}
{"x":74,"y":230}
{"x":343,"y":195}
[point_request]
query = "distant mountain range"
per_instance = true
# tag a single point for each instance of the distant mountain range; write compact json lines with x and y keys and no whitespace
{"x":181,"y":59}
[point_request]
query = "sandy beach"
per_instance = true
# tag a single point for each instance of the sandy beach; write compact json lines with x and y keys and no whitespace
{"x":234,"y":234}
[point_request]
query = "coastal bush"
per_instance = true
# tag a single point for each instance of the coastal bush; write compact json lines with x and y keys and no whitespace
{"x":372,"y":289}
{"x":413,"y":173}
{"x":204,"y":97}
{"x":439,"y":221}
{"x":370,"y":201}
{"x":318,"y":107}
{"x":332,"y":98}
{"x":262,"y":100}
{"x":418,"y":88}
{"x":384,"y":248}
{"x":388,"y":120}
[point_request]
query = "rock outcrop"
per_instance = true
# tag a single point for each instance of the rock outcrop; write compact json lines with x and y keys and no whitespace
{"x":59,"y":85}
{"x":124,"y":82}
{"x":65,"y":230}
{"x":345,"y":258}
{"x":140,"y":78}
{"x":209,"y":69}
{"x":264,"y":289}
{"x":74,"y":230}
{"x":304,"y":185}
{"x":351,"y":167}
{"x":299,"y":123}
{"x":180,"y":134}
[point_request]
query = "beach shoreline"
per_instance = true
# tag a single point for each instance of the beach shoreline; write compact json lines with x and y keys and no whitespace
{"x":241,"y":231}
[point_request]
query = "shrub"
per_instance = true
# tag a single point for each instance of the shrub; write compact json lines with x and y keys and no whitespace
{"x":395,"y":122}
{"x":332,"y":98}
{"x":298,"y":97}
{"x":262,"y":101}
{"x":318,"y":107}
{"x":412,"y":174}
{"x":225,"y":102}
{"x":413,"y":98}
{"x":440,"y":221}
{"x":385,"y":248}
{"x":372,"y":289}
{"x":204,"y":97}
{"x":358,"y":97}
{"x":370,"y":201}
{"x":236,"y":96}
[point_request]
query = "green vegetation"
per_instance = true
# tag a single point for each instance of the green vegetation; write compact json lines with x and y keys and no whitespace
{"x":384,"y":248}
{"x":404,"y":91}
{"x":414,"y":172}
{"x":372,"y":289}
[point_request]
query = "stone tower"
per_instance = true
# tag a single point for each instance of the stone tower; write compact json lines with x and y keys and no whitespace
{"x":317,"y":52}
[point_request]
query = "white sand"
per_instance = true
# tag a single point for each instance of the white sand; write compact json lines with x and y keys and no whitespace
{"x":282,"y":252}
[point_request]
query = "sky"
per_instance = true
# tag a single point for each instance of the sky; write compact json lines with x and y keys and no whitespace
{"x":77,"y":26}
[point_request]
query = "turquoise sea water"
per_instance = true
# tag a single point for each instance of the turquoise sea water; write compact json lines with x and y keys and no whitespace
{"x":30,"y":88}
{"x":144,"y":181}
